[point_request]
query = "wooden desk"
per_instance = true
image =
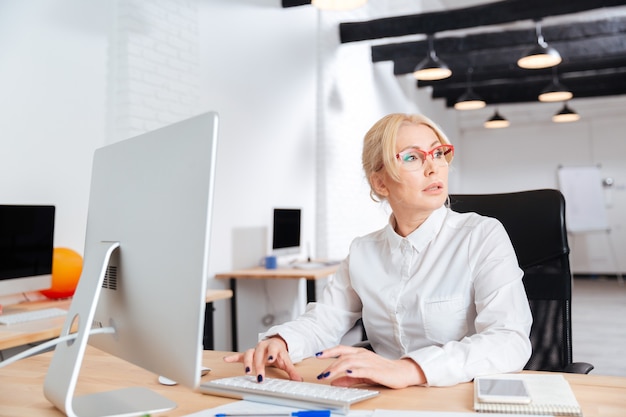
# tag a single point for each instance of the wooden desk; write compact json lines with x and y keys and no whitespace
{"x":22,"y":388}
{"x":40,"y":330}
{"x":280,"y":273}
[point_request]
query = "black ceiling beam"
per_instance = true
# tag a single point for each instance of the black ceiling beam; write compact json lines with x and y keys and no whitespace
{"x":527,"y":90}
{"x":554,"y":34}
{"x":484,"y":15}
{"x":588,"y":79}
{"x":295,"y":3}
{"x":504,"y":59}
{"x":502,"y":76}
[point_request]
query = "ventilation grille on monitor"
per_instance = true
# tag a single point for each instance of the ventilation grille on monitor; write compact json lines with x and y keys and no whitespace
{"x":110,"y":278}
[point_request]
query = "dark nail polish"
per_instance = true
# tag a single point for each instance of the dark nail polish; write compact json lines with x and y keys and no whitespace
{"x":247,"y":369}
{"x":348,"y":371}
{"x":271,"y":358}
{"x":319,"y":353}
{"x":259,"y":378}
{"x":320,"y":376}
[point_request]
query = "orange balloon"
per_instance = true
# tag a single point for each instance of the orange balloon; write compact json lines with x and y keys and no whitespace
{"x":67,"y":266}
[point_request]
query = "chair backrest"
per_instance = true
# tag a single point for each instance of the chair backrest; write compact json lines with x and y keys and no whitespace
{"x":535,"y":222}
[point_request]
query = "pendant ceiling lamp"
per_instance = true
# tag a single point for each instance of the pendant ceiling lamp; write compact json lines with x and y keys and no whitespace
{"x":566,"y":115}
{"x":496,"y":121}
{"x":540,"y":55}
{"x":469,"y":100}
{"x":431,"y":68}
{"x":338,"y":4}
{"x":555,"y":91}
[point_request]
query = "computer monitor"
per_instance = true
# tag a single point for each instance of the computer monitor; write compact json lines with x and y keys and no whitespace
{"x":145,"y":266}
{"x":286,"y":231}
{"x":26,"y":248}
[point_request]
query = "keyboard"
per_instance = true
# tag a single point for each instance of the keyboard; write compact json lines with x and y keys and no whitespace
{"x":285,"y":392}
{"x":33,"y":315}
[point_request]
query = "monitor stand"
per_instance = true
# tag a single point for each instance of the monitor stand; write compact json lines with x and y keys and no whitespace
{"x":62,"y":375}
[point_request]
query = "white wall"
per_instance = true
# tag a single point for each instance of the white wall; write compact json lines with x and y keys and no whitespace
{"x":259,"y":73}
{"x":52,"y":78}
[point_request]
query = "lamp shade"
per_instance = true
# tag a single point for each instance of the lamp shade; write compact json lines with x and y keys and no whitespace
{"x":566,"y":114}
{"x":496,"y":121}
{"x":555,"y":91}
{"x":540,"y":55}
{"x":431,"y":68}
{"x":469,"y":101}
{"x":338,"y":4}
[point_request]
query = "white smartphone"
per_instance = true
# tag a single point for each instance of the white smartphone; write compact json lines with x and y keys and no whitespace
{"x":508,"y":391}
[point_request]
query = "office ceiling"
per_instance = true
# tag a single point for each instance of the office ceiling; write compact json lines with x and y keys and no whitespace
{"x":488,"y":38}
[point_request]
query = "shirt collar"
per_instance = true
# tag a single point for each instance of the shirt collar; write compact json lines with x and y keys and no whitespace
{"x":421,"y":236}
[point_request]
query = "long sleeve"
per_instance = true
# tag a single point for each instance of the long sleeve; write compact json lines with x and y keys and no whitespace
{"x":324,"y":323}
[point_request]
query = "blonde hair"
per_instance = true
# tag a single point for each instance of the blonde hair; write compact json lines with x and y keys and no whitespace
{"x":379,"y":145}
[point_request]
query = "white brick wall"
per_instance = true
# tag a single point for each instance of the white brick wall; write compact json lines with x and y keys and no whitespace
{"x":154,"y":76}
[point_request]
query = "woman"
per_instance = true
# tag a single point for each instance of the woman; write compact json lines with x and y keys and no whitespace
{"x":440,"y":293}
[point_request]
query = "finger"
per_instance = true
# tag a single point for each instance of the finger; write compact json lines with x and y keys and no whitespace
{"x":237,"y":357}
{"x":337,"y":351}
{"x":348,"y":360}
{"x":258,"y":361}
{"x":284,"y":362}
{"x":274,"y":350}
{"x":247,"y":361}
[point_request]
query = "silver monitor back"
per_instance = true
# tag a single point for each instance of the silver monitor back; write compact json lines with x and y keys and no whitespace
{"x":146,"y":256}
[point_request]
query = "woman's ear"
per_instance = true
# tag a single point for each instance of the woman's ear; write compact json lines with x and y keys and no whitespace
{"x":378,"y":184}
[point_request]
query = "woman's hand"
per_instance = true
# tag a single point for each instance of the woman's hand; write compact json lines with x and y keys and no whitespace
{"x":273,"y":352}
{"x":361,"y":366}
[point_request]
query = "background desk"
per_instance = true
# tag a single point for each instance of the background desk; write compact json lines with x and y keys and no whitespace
{"x":34,"y":331}
{"x":40,"y":330}
{"x":21,"y":388}
{"x":281,"y":273}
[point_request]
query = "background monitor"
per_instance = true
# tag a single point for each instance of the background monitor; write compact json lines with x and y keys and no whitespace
{"x":286,"y":231}
{"x":146,"y":266}
{"x":26,"y":247}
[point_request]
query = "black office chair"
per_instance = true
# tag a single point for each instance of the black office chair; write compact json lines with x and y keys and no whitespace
{"x":535,"y":222}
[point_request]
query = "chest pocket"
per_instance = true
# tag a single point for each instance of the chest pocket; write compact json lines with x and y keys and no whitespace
{"x":445,"y":320}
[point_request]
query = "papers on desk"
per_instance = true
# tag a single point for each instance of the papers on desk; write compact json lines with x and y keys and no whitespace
{"x":245,"y":407}
{"x":255,"y":408}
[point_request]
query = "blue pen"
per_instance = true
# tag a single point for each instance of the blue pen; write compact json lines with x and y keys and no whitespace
{"x":305,"y":413}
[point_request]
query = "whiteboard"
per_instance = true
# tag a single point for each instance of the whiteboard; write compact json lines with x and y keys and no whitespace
{"x":585,"y":208}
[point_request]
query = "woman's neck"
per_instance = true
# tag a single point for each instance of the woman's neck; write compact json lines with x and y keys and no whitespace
{"x":407,"y":224}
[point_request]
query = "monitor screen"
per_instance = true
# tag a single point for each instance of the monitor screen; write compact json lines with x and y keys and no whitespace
{"x":286,"y":231}
{"x":146,"y":264}
{"x":26,"y":247}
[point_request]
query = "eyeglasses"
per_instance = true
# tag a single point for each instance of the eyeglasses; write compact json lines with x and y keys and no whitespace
{"x":413,"y":158}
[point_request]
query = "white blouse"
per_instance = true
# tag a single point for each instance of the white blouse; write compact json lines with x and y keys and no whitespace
{"x":448,"y":296}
